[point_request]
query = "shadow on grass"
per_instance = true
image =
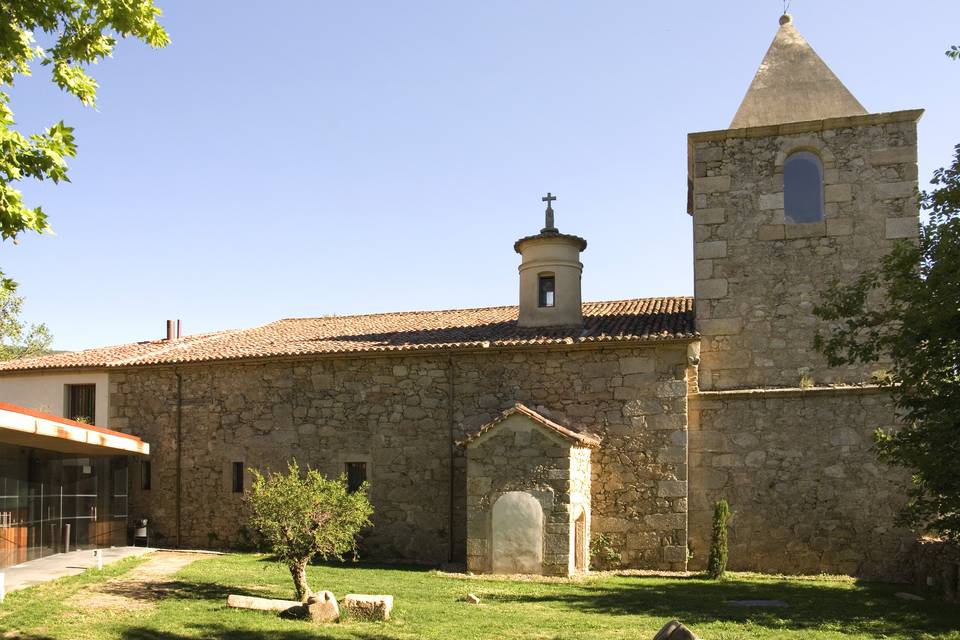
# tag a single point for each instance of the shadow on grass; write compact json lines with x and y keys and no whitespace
{"x":221,"y":632}
{"x":359,"y":564}
{"x":867,"y":608}
{"x":177,"y":589}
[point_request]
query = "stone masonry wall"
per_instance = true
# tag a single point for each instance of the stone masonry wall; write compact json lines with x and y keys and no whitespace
{"x":807,"y":492}
{"x":521,"y":457}
{"x":757,"y":277}
{"x":394,"y":413}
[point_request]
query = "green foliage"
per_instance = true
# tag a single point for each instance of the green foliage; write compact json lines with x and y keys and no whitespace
{"x":717,"y":562}
{"x":18,"y":340}
{"x":953,"y":52}
{"x":304,"y":516}
{"x":907,"y":312}
{"x":603,"y":552}
{"x":80,"y":32}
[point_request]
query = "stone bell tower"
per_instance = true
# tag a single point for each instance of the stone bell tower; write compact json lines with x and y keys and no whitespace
{"x":550,"y":271}
{"x":804,"y":189}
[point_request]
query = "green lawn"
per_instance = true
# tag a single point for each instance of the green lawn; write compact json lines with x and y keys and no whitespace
{"x":428,"y":605}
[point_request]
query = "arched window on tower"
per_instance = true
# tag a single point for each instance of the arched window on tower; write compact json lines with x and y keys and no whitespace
{"x":803,"y":188}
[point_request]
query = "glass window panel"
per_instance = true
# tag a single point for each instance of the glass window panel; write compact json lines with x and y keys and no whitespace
{"x":52,"y":502}
{"x":803,"y":188}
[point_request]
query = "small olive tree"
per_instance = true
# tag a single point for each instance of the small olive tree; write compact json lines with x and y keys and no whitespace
{"x":301,"y":516}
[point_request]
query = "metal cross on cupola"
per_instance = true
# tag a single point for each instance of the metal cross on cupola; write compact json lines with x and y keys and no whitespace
{"x":549,"y":227}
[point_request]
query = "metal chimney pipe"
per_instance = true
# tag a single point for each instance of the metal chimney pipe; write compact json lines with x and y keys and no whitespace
{"x":178,"y":328}
{"x":170,"y":330}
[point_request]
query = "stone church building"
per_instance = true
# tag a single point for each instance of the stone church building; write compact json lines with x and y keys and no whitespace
{"x":508,"y":437}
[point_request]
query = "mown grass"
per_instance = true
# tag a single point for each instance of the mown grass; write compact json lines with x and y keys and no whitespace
{"x":429,"y":605}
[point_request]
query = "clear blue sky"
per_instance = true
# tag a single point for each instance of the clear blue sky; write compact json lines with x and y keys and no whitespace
{"x":303,"y":158}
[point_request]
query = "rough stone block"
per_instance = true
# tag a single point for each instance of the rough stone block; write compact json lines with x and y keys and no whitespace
{"x":721,"y":326}
{"x":702,"y":269}
{"x":666,"y":521}
{"x":893,"y":155}
{"x":771,"y":201}
{"x":908,"y":227}
{"x":712,"y":249}
{"x":755,"y":458}
{"x":771,"y":232}
{"x":673,"y":630}
{"x":675,"y":554}
{"x":235,"y":601}
{"x":711,"y":184}
{"x":711,"y":289}
{"x":672,"y":389}
{"x":839,"y":226}
{"x":672,"y":489}
{"x":323,"y":607}
{"x":890,"y":190}
{"x":837,"y":193}
{"x":637,"y":365}
{"x":715,"y":215}
{"x":366,"y":607}
{"x":709,"y":154}
{"x":806,"y":230}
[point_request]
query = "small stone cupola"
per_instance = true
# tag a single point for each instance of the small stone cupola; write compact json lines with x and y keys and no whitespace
{"x":550,"y":272}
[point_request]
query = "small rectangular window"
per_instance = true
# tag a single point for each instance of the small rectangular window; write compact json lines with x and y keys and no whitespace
{"x":547,"y":289}
{"x":145,"y":475}
{"x":238,"y":477}
{"x":81,"y":402}
{"x":356,"y":475}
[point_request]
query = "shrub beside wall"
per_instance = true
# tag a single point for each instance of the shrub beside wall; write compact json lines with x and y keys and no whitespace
{"x":717,"y":564}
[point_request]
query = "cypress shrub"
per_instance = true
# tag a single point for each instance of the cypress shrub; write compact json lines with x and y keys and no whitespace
{"x":717,"y":564}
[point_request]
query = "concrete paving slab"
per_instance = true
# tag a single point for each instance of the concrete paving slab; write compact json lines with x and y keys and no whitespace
{"x":60,"y":565}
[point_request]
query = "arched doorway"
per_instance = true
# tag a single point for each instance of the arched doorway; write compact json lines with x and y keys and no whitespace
{"x":517,"y":534}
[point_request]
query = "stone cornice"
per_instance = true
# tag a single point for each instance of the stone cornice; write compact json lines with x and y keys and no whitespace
{"x":789,"y":392}
{"x":790,"y":128}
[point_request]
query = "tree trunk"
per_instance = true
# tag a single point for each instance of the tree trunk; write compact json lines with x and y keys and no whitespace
{"x":299,"y":572}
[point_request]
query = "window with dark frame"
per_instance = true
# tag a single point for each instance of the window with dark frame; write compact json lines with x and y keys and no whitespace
{"x":547,"y":291}
{"x":145,"y":475}
{"x":238,"y":477}
{"x":81,"y":402}
{"x":356,"y":475}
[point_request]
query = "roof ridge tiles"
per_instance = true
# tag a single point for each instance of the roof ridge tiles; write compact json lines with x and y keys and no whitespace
{"x":612,"y":321}
{"x":454,"y":310}
{"x":177,"y":344}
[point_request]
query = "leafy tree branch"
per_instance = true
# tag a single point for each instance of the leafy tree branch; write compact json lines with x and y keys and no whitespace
{"x":81,"y":33}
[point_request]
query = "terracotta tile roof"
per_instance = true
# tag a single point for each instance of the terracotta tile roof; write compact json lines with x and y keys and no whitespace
{"x":639,"y":320}
{"x":577,"y":437}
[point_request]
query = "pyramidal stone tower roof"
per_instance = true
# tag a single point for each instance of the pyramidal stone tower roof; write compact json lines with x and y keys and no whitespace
{"x":793,"y":84}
